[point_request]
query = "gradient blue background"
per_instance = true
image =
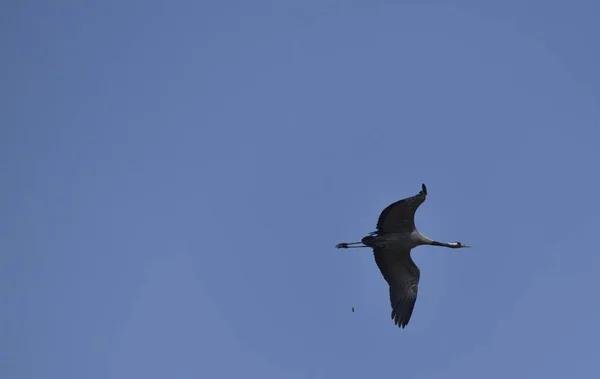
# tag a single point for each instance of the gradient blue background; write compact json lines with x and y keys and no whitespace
{"x":175,"y":175}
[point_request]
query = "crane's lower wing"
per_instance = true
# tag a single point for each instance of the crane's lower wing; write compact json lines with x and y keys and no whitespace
{"x":401,"y":214}
{"x":402,"y":275}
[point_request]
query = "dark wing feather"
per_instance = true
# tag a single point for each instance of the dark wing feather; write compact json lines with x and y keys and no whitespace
{"x":402,"y":275}
{"x":401,"y":214}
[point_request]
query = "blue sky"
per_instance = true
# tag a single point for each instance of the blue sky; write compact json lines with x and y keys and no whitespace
{"x":175,"y":176}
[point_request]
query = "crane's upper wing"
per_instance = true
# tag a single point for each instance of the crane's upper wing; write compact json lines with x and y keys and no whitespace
{"x":401,"y":214}
{"x":402,"y":274}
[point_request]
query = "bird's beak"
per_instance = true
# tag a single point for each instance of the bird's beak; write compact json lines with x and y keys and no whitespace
{"x":466,"y":246}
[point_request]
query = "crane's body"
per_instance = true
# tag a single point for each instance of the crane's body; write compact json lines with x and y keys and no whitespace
{"x":392,"y":243}
{"x":399,"y":240}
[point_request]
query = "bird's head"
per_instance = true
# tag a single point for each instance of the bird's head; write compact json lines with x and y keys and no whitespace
{"x":459,"y":245}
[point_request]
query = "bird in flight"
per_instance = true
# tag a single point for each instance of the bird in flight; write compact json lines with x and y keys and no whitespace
{"x":395,"y":237}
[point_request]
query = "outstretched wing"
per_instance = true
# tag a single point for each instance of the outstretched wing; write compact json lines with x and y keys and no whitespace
{"x":401,"y":214}
{"x":402,"y":275}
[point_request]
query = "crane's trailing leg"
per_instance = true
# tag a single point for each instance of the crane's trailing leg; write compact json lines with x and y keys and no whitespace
{"x":368,"y":241}
{"x":346,"y":245}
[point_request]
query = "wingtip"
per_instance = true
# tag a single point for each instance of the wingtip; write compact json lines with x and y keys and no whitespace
{"x":423,"y":189}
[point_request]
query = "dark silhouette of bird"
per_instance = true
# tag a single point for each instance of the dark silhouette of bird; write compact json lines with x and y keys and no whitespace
{"x":392,"y":242}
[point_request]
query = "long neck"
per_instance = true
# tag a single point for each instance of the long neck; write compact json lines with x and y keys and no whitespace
{"x":424,"y":240}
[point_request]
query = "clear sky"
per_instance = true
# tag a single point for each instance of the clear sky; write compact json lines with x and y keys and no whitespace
{"x":176,"y":174}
